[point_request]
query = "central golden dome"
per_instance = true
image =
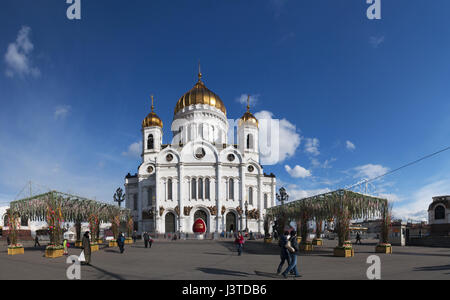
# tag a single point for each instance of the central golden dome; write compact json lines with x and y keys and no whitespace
{"x":200,"y":94}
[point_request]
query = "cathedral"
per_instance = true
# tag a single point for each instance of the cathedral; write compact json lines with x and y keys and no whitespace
{"x":200,"y":174}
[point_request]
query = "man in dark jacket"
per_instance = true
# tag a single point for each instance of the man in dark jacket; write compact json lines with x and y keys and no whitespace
{"x":36,"y":241}
{"x":146,"y":238}
{"x":292,"y":255}
{"x":86,"y":243}
{"x":284,"y":254}
{"x":121,"y":242}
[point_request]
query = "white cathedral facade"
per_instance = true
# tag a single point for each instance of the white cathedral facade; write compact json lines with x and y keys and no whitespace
{"x":199,"y":174}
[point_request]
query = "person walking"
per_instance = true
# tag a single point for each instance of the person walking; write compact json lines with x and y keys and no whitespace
{"x":65,"y":247}
{"x":284,"y":254}
{"x":150,"y":241}
{"x":86,"y":245}
{"x":146,"y":238}
{"x":358,"y":238}
{"x":292,"y":246}
{"x":121,"y":242}
{"x":36,"y":241}
{"x":239,"y":243}
{"x":8,"y":240}
{"x":134,"y":236}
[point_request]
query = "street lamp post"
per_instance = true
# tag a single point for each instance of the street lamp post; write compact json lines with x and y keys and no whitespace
{"x":282,"y":196}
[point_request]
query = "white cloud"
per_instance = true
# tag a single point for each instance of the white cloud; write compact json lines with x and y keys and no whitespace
{"x":325,"y":165}
{"x":275,"y":147}
{"x":17,"y":57}
{"x":350,"y":146}
{"x":417,"y":207}
{"x":243,"y":99}
{"x":376,"y":41}
{"x":370,"y":171}
{"x":392,"y":198}
{"x":312,"y":146}
{"x":296,"y":193}
{"x":134,"y":150}
{"x":297,"y":171}
{"x":61,"y":111}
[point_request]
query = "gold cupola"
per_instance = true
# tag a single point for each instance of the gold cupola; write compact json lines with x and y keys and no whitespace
{"x":248,"y":117}
{"x":152,"y":119}
{"x":200,"y":94}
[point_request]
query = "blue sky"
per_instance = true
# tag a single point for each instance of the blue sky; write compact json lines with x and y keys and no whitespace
{"x":359,"y":96}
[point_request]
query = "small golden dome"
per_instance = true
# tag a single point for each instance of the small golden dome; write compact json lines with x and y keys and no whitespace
{"x":200,"y":94}
{"x":248,"y":117}
{"x":152,"y":119}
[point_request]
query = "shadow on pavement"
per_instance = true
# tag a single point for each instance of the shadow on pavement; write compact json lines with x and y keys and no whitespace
{"x":223,"y":272}
{"x":420,"y":254}
{"x":268,"y":275}
{"x":224,"y":254}
{"x":112,"y":251}
{"x":433,"y":268}
{"x":106,"y":274}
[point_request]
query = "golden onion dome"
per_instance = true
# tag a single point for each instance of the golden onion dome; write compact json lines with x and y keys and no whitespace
{"x":152,"y":119}
{"x":200,"y":94}
{"x":248,"y":117}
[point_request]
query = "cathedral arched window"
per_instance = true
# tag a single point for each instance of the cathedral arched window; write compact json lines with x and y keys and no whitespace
{"x":265,"y":201}
{"x":231,"y":189}
{"x":207,"y":188}
{"x":150,"y":142}
{"x":135,"y":201}
{"x":149,"y":196}
{"x":249,"y":141}
{"x":169,"y":189}
{"x":439,"y":212}
{"x":200,"y":188}
{"x":194,"y":188}
{"x":250,"y":195}
{"x":23,"y":221}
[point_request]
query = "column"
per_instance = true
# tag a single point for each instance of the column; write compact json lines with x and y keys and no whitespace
{"x":157,"y":198}
{"x":243,"y":197}
{"x":273,"y":191}
{"x":218,"y":191}
{"x":140,"y":199}
{"x":144,"y":204}
{"x":181,"y":197}
{"x":260,"y":204}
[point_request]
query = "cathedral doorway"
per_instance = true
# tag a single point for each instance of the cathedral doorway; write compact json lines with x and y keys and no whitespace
{"x":231,"y":222}
{"x":170,"y":223}
{"x":200,"y":214}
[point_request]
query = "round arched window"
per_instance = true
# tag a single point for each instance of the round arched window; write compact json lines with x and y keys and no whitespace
{"x":200,"y":153}
{"x":150,"y":169}
{"x":251,"y":169}
{"x":231,"y":157}
{"x":439,"y":212}
{"x":169,"y":157}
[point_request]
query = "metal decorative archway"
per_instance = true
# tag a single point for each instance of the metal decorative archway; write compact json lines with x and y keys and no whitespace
{"x":340,"y":205}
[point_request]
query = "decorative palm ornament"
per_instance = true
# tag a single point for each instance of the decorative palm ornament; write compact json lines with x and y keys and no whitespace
{"x":119,"y":196}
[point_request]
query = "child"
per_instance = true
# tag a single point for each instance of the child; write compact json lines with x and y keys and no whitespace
{"x":65,"y":247}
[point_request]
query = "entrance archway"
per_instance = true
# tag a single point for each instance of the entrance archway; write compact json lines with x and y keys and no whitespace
{"x":200,"y":214}
{"x":231,"y":222}
{"x":170,"y":223}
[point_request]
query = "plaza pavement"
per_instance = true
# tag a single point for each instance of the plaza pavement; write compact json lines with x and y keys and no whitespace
{"x":211,"y":260}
